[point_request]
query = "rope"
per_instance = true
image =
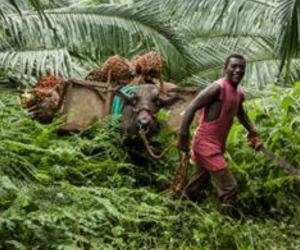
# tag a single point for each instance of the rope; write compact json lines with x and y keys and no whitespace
{"x":146,"y":142}
{"x":181,"y":174}
{"x":177,"y":187}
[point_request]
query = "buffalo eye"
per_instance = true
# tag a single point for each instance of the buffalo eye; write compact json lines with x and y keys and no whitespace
{"x":157,"y":101}
{"x":134,"y":100}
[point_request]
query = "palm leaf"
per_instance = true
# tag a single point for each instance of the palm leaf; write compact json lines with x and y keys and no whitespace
{"x":262,"y":63}
{"x":114,"y":29}
{"x":19,"y":6}
{"x":37,"y":62}
{"x":288,"y":18}
{"x":246,"y":27}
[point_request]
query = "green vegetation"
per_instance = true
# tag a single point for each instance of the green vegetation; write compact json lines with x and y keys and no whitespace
{"x":82,"y":191}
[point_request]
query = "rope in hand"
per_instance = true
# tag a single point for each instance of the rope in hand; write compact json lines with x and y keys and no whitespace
{"x":181,"y":174}
{"x":179,"y":181}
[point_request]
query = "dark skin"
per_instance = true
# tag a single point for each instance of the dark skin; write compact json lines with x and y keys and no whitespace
{"x":210,"y":98}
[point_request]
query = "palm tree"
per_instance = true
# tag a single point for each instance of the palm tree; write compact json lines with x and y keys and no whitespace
{"x":265,"y":31}
{"x":76,"y":36}
{"x":194,"y":37}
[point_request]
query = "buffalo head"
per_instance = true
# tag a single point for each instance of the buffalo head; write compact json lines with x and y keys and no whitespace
{"x":140,"y":109}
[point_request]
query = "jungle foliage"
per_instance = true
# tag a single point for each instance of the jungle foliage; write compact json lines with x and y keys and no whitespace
{"x":71,"y":37}
{"x":83,"y":191}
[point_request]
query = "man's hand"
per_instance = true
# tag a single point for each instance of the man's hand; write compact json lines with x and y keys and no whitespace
{"x":183,"y":143}
{"x":255,"y":140}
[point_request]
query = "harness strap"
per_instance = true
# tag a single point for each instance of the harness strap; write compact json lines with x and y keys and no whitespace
{"x":117,"y":104}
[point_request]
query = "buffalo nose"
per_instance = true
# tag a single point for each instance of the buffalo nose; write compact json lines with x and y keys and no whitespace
{"x":143,"y":122}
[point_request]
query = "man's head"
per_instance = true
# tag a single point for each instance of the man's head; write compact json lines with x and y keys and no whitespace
{"x":235,"y":68}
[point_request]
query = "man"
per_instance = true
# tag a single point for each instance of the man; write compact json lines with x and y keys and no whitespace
{"x":219,"y":103}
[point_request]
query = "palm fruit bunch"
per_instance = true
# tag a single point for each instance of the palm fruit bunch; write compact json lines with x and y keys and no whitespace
{"x":148,"y":65}
{"x":48,"y":82}
{"x":42,"y":101}
{"x":44,"y":87}
{"x":116,"y":67}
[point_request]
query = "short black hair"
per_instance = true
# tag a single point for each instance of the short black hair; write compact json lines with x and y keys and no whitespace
{"x":239,"y":56}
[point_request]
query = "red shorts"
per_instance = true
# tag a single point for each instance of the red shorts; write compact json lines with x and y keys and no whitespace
{"x":211,"y":162}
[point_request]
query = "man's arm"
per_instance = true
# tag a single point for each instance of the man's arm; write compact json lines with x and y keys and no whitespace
{"x":254,"y":138}
{"x":245,"y":120}
{"x":204,"y":98}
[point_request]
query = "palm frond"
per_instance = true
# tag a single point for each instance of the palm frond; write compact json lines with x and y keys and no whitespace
{"x":114,"y":29}
{"x":241,"y":17}
{"x":262,"y":62}
{"x":4,"y":43}
{"x":260,"y":74}
{"x":185,"y":9}
{"x":37,"y":62}
{"x":19,"y":6}
{"x":288,"y":18}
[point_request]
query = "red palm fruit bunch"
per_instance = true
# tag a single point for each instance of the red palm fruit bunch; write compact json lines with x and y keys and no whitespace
{"x":116,"y":67}
{"x":48,"y":82}
{"x":41,"y":91}
{"x":43,"y":100}
{"x":46,"y":85}
{"x":148,"y":65}
{"x":46,"y":107}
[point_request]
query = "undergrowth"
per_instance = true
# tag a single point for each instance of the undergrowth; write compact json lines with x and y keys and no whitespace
{"x":84,"y":191}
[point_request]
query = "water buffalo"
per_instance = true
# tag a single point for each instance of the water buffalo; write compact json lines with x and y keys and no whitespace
{"x":140,"y":109}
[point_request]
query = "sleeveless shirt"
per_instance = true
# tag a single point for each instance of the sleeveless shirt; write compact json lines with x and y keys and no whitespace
{"x":210,"y":137}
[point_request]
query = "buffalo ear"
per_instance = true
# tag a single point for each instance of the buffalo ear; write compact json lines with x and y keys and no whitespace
{"x":167,"y":102}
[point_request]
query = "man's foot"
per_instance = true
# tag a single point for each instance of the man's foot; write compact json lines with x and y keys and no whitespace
{"x":231,"y":211}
